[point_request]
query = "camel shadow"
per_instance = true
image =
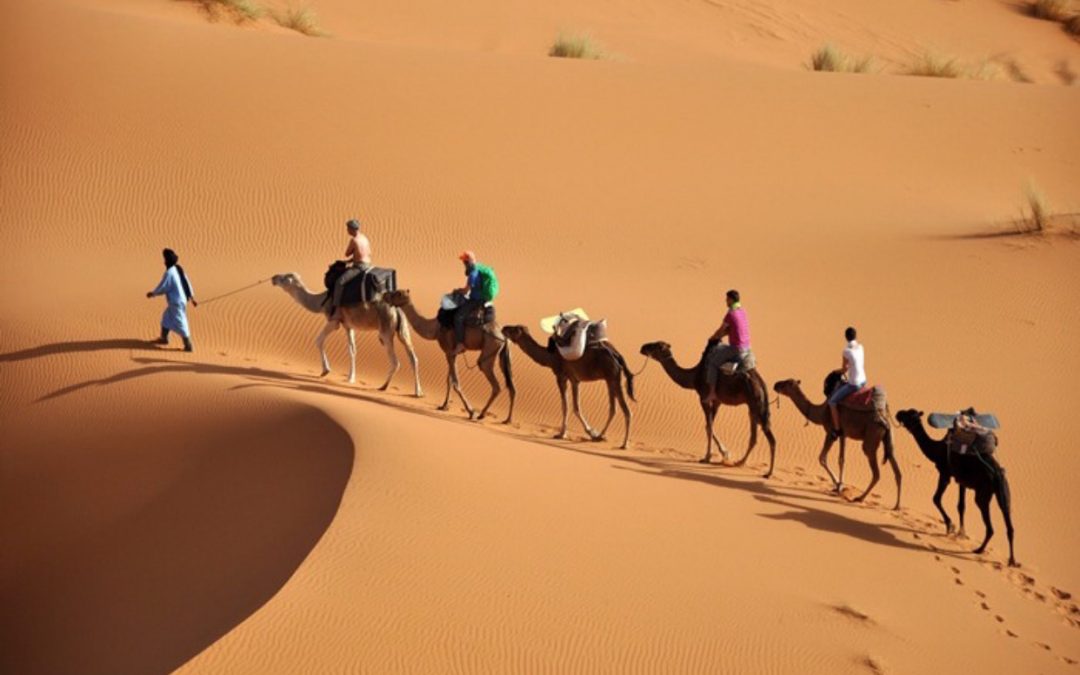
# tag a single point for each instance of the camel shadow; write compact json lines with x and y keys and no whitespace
{"x":76,"y":347}
{"x":803,"y":498}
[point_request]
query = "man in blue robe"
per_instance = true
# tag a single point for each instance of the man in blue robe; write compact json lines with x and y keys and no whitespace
{"x":177,"y":291}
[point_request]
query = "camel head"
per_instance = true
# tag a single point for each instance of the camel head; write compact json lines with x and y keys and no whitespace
{"x":910,"y":418}
{"x":398,"y":298}
{"x":656,"y":350}
{"x":514,"y":333}
{"x":787,"y":387}
{"x":287,"y":280}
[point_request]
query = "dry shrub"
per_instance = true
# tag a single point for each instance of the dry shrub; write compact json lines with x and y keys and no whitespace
{"x":1053,"y":10}
{"x":300,"y":19}
{"x":576,"y":47}
{"x":830,"y":59}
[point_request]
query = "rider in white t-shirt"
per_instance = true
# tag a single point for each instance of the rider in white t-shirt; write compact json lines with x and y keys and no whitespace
{"x":854,"y":368}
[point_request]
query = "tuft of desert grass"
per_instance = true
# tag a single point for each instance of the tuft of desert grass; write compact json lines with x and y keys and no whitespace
{"x":934,"y":64}
{"x":300,"y":19}
{"x":830,"y":59}
{"x":578,"y":46}
{"x":1038,"y":222}
{"x":241,"y":11}
{"x":1053,"y":10}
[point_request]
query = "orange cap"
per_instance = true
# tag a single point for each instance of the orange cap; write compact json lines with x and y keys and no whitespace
{"x":467,"y":256}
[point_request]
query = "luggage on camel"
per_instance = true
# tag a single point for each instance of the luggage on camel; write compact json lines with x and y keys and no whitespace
{"x":572,"y":332}
{"x":969,"y":432}
{"x":368,"y":286}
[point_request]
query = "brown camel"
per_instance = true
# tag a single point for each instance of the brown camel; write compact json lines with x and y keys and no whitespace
{"x":869,"y":426}
{"x":486,"y":339}
{"x":599,"y":362}
{"x":747,"y":389}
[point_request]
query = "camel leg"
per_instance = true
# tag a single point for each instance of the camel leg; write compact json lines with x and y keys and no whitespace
{"x":574,"y":385}
{"x":561,"y":382}
{"x":710,"y":419}
{"x":457,"y":387}
{"x":351,"y":335}
{"x":823,"y":459}
{"x":899,"y":479}
{"x":320,"y":342}
{"x":387,"y":339}
{"x":507,"y":371}
{"x":405,"y":336}
{"x":961,"y":506}
{"x":766,"y":427}
{"x":753,"y":438}
{"x":870,"y":449}
{"x":627,"y":415}
{"x":449,"y":382}
{"x":942,"y":483}
{"x":982,"y":500}
{"x":722,"y":448}
{"x":488,"y":369}
{"x":1005,"y":504}
{"x":611,"y":409}
{"x":843,"y":456}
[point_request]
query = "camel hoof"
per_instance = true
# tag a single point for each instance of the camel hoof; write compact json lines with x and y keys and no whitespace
{"x":704,"y":460}
{"x":384,"y":387}
{"x":623,"y":446}
{"x":443,"y":408}
{"x":979,"y":551}
{"x":560,"y":437}
{"x":324,"y":373}
{"x":418,"y":394}
{"x":768,"y":474}
{"x":1013,"y":563}
{"x":597,"y":439}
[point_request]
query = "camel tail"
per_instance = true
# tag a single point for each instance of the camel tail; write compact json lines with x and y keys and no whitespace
{"x":766,"y":410}
{"x":626,"y":371}
{"x":505,"y":364}
{"x":888,"y":455}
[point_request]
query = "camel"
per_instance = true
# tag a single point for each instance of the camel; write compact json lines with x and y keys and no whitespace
{"x":366,"y":316}
{"x":981,"y":473}
{"x":599,"y":362}
{"x":487,"y":339}
{"x":866,"y":425}
{"x":747,"y":389}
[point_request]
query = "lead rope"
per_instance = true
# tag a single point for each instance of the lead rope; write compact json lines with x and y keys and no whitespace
{"x":225,"y":295}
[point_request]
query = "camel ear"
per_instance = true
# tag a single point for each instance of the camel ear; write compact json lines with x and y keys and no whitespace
{"x":798,"y":383}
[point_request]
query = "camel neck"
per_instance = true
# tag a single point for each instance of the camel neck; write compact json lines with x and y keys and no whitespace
{"x":932,"y":448}
{"x":684,"y":377}
{"x":425,"y":327}
{"x":816,"y":413}
{"x":535,"y":351}
{"x":312,"y":302}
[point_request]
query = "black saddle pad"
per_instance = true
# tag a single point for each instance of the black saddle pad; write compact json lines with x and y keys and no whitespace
{"x":367,"y":286}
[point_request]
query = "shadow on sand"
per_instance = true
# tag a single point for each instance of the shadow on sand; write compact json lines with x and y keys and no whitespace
{"x":76,"y":348}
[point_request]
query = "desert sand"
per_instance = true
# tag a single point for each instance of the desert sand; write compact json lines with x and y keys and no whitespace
{"x":229,"y":510}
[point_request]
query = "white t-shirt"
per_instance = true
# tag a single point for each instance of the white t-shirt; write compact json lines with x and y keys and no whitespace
{"x":856,"y":364}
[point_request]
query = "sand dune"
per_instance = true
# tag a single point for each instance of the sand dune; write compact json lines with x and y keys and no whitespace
{"x":230,"y":511}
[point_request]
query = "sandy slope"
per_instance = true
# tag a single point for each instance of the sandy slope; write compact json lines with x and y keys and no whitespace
{"x":164,"y":501}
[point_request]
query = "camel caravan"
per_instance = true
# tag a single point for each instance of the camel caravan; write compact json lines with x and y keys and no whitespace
{"x":359,"y":296}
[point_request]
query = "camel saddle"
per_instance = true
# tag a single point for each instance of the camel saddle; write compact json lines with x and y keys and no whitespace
{"x":368,"y":286}
{"x":448,"y":307}
{"x":867,"y":398}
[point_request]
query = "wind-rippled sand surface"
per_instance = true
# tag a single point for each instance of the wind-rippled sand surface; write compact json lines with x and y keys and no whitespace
{"x":230,"y":511}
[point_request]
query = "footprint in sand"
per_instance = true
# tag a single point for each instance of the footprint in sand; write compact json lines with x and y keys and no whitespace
{"x":980,"y":594}
{"x":1066,"y":659}
{"x":1043,"y":645}
{"x":984,"y":606}
{"x":1011,"y":634}
{"x":1060,"y":594}
{"x":999,"y":618}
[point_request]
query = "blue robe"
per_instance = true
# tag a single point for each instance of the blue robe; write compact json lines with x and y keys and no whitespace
{"x":175,"y":316}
